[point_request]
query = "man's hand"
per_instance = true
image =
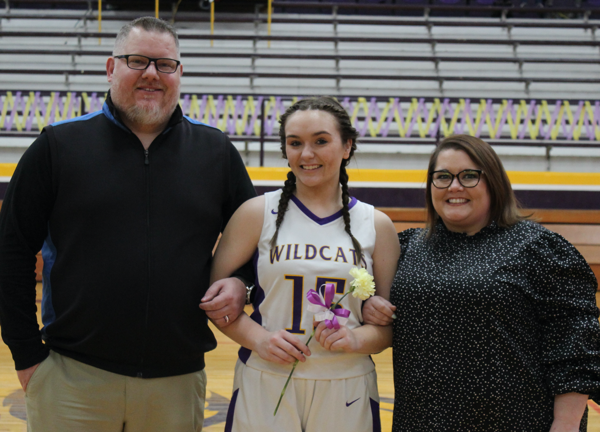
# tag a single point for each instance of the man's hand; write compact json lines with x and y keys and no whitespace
{"x":378,"y":311}
{"x":25,"y":375}
{"x":224,"y":301}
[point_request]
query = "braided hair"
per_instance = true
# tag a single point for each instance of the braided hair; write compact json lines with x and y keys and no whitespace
{"x":347,"y":132}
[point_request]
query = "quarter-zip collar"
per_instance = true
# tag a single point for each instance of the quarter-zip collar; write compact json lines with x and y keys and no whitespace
{"x":111,"y":113}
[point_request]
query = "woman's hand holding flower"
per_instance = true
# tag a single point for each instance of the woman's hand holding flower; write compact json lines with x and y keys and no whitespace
{"x":333,"y":319}
{"x":281,"y":347}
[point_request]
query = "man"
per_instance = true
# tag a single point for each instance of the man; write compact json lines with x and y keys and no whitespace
{"x":128,"y":203}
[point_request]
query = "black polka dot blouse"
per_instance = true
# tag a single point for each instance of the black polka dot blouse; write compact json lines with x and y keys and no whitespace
{"x":490,"y":328}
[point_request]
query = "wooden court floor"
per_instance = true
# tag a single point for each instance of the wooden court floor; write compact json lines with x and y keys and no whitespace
{"x":219,"y":367}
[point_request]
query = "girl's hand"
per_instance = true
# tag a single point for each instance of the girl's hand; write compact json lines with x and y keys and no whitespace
{"x":342,"y":339}
{"x":378,"y":311}
{"x":561,"y":427}
{"x":568,"y":411}
{"x":281,"y":347}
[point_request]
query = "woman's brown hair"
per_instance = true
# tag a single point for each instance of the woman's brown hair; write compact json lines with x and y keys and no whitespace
{"x":504,"y":207}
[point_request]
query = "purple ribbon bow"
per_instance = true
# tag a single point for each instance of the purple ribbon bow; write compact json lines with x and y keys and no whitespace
{"x":321,"y":306}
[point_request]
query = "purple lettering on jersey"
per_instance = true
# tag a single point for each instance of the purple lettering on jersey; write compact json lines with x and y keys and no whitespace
{"x":310,"y":252}
{"x":340,"y":254}
{"x":296,"y":257}
{"x":321,"y":253}
{"x":297,"y":299}
{"x":287,"y":255}
{"x":340,"y":284}
{"x":276,"y":253}
{"x":364,"y":261}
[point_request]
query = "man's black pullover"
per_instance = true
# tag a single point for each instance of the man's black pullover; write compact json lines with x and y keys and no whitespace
{"x":128,"y":234}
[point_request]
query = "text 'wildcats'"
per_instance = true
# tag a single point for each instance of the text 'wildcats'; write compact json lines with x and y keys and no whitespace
{"x":311,"y":252}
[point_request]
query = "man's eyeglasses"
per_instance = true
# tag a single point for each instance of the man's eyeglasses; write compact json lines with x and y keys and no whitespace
{"x":468,"y":178}
{"x":140,"y":62}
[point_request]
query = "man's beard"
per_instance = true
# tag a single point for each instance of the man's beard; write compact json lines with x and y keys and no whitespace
{"x":154,"y":114}
{"x":149,"y":114}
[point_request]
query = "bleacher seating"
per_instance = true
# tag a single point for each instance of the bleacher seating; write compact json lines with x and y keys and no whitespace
{"x":410,"y":72}
{"x":482,"y":8}
{"x":334,"y":54}
{"x":531,"y":68}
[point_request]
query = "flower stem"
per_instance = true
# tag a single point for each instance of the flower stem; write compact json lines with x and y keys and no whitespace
{"x":340,"y":300}
{"x":290,"y":375}
{"x":307,"y":342}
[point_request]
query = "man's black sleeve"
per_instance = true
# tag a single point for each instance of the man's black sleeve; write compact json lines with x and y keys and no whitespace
{"x":23,"y":227}
{"x":240,"y":185}
{"x":240,"y":190}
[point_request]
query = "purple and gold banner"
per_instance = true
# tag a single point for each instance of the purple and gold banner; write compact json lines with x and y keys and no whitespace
{"x":525,"y":121}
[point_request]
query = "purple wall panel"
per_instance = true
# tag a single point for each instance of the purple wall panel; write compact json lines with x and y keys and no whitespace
{"x":391,"y":197}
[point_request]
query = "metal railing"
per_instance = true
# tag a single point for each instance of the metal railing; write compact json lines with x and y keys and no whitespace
{"x":254,"y":118}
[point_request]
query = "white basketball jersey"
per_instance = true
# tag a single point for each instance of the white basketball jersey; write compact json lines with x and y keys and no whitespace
{"x":310,"y":252}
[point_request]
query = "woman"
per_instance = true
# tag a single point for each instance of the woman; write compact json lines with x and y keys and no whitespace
{"x":497,"y":326}
{"x":302,"y":237}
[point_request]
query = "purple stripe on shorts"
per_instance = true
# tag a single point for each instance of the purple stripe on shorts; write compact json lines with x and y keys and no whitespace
{"x":229,"y":420}
{"x":244,"y":354}
{"x":317,"y":219}
{"x":374,"y":413}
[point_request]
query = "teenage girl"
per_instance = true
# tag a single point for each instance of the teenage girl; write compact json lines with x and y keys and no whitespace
{"x":307,"y":234}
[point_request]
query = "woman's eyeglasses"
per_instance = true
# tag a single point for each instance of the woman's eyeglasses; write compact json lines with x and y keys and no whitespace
{"x":468,"y":178}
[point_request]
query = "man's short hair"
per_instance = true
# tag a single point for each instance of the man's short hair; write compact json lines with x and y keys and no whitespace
{"x":150,"y":24}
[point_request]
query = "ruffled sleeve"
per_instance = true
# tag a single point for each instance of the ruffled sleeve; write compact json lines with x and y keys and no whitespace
{"x":404,"y":239}
{"x":564,"y":290}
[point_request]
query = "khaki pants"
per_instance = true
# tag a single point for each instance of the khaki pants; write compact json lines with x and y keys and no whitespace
{"x":65,"y":395}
